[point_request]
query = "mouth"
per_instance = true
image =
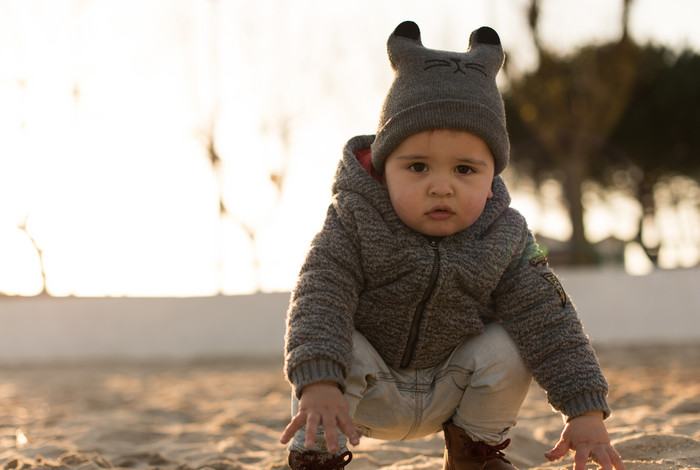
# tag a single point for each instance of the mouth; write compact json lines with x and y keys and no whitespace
{"x":440,"y":212}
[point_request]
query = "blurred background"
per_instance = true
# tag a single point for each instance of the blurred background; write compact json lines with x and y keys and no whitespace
{"x":164,"y":165}
{"x":180,"y":148}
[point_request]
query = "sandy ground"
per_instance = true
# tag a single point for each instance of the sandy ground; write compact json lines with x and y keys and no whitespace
{"x":228,"y":414}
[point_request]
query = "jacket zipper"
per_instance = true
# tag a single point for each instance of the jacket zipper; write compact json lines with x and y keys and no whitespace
{"x":418,"y":314}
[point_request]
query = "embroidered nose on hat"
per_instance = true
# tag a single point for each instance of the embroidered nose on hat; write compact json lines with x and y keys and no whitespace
{"x":434,"y":89}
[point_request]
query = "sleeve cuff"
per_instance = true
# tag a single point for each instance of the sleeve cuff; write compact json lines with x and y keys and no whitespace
{"x":309,"y":372}
{"x":584,"y":403}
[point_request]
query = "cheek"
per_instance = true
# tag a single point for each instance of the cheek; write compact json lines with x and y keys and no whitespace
{"x":404,"y":201}
{"x":400,"y":200}
{"x":472,"y":205}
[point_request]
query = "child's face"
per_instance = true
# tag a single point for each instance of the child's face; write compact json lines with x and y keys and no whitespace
{"x":439,"y":181}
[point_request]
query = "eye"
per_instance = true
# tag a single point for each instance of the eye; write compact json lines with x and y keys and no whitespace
{"x":464,"y":169}
{"x":418,"y":167}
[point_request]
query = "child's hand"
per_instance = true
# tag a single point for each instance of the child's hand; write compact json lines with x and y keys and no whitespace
{"x":322,"y":403}
{"x":587,"y":436}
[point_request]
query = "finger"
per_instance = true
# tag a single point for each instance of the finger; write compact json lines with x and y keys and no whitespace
{"x":607,"y":457}
{"x":616,"y":459}
{"x":559,"y":451}
{"x":348,"y":428}
{"x":331,"y":431}
{"x":602,"y":458}
{"x":294,"y":425}
{"x":583,"y":453}
{"x":312,"y":422}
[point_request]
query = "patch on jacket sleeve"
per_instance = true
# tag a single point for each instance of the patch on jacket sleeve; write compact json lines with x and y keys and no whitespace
{"x":557,"y":285}
{"x":540,"y":258}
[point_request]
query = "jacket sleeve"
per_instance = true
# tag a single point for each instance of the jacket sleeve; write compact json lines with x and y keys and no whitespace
{"x":542,"y":320}
{"x":318,"y":339}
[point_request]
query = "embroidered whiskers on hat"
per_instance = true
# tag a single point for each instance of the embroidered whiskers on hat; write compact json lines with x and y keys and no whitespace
{"x":434,"y":89}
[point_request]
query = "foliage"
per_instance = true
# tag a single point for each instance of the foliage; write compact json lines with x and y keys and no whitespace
{"x":560,"y":117}
{"x":618,"y":113}
{"x":659,"y":129}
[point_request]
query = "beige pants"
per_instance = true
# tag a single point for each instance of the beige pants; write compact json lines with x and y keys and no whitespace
{"x":480,"y":387}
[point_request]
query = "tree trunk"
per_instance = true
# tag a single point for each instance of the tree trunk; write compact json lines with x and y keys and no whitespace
{"x":645,"y":196}
{"x":582,"y":252}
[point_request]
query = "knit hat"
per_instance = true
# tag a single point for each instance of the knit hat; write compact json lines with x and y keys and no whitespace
{"x":435,"y":89}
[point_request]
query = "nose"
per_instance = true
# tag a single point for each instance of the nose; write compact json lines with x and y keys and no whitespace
{"x":441,"y":186}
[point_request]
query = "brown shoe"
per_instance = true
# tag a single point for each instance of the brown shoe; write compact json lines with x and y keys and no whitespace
{"x":310,"y":460}
{"x":461,"y":453}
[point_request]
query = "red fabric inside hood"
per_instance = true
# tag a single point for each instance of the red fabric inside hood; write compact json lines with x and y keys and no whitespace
{"x":364,"y":156}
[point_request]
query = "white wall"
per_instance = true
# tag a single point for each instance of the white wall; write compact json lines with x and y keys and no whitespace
{"x":661,"y":307}
{"x":73,"y":328}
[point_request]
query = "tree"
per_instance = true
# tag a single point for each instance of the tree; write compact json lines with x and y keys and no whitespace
{"x":39,"y":253}
{"x":603,"y":111}
{"x":658,"y":131}
{"x":569,"y":107}
{"x":278,"y":126}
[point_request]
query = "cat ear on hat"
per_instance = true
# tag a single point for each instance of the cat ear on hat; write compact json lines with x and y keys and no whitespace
{"x":485,"y":44}
{"x":485,"y":35}
{"x":409,"y":30}
{"x":404,"y":43}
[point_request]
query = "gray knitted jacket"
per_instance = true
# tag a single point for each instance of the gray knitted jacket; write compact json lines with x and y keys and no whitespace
{"x":416,"y":299}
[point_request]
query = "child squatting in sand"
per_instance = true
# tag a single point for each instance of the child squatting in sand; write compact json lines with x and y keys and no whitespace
{"x":424,"y":302}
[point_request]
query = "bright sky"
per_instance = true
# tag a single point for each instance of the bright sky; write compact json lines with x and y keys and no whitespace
{"x":106,"y":106}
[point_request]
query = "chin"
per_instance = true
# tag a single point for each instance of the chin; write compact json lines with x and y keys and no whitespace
{"x":440,"y":233}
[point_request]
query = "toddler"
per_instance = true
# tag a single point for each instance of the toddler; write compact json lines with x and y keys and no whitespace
{"x":424,"y":303}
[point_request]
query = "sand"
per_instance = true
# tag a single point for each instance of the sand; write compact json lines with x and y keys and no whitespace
{"x":228,"y":415}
